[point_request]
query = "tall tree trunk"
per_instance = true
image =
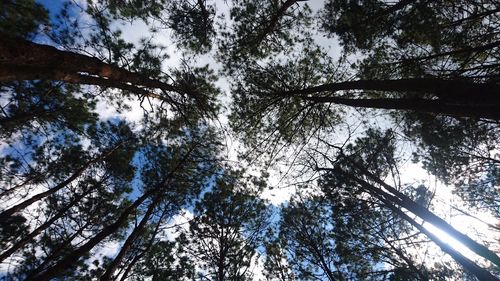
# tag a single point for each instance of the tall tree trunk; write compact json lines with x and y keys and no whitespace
{"x":222,"y":255}
{"x":57,"y":252}
{"x":24,"y":60}
{"x":466,"y":263}
{"x":53,"y":190}
{"x":450,"y":97}
{"x":487,"y":111}
{"x":428,"y":216}
{"x":446,"y":89}
{"x":130,"y":240}
{"x":75,"y":255}
{"x":416,"y":272}
{"x":6,"y":192}
{"x":473,"y":17}
{"x":470,"y":50}
{"x":149,"y":245}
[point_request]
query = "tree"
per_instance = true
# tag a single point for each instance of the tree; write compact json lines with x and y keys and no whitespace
{"x":228,"y":226}
{"x":392,"y":199}
{"x":260,"y":28}
{"x":377,"y":76}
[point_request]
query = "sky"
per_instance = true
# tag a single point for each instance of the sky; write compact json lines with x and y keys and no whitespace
{"x":411,"y":173}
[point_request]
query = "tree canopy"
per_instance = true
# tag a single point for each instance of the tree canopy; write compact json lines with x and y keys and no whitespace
{"x":145,"y":140}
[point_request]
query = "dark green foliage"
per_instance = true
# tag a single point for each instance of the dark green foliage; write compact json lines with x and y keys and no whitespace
{"x":262,"y":28}
{"x":87,"y":194}
{"x":228,"y":225}
{"x":460,"y":152}
{"x":42,"y":104}
{"x":22,"y":18}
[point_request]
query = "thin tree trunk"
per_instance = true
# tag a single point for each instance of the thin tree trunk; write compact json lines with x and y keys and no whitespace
{"x":476,"y":49}
{"x":442,"y":88}
{"x":57,"y":252}
{"x":138,"y":257}
{"x":53,"y":190}
{"x":222,"y":255}
{"x":322,"y":261}
{"x":17,"y":186}
{"x":459,"y":98}
{"x":473,"y":17}
{"x":430,"y":217}
{"x":130,"y":240}
{"x":402,"y":256}
{"x":487,"y":111}
{"x":273,"y":21}
{"x":466,"y":263}
{"x":17,"y":246}
{"x":75,"y":255}
{"x":425,"y":214}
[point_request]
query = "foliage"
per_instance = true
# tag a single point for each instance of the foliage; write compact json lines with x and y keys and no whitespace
{"x":114,"y":166}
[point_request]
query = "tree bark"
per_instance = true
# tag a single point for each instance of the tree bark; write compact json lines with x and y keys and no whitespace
{"x":451,"y":97}
{"x":24,"y":60}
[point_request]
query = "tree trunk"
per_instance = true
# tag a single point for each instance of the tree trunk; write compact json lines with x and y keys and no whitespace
{"x":442,"y":88}
{"x":481,"y":48}
{"x":273,"y":21}
{"x":130,"y":240}
{"x":487,"y":111}
{"x":466,"y":263}
{"x":430,"y":217}
{"x":75,"y":255}
{"x":56,"y":252}
{"x":24,"y":60}
{"x":460,"y":98}
{"x":6,"y":192}
{"x":41,"y":228}
{"x":138,"y":257}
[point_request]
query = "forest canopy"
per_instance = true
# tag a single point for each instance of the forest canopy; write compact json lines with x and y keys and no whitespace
{"x":249,"y":140}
